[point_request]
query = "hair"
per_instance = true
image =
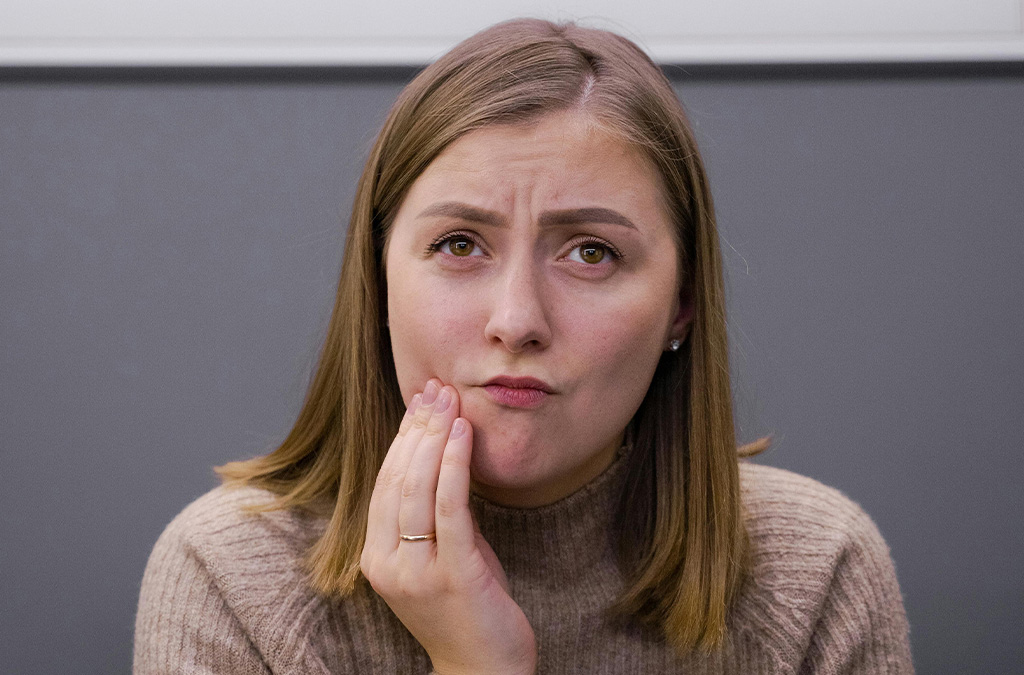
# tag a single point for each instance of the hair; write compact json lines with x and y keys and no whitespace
{"x":684,"y":545}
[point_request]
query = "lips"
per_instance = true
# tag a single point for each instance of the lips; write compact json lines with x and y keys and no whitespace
{"x":518,"y":392}
{"x":520,"y":383}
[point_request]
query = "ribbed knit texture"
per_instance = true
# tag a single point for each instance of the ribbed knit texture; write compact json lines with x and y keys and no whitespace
{"x":224,"y":591}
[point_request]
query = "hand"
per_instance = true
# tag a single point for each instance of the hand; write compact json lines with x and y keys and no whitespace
{"x":450,"y":592}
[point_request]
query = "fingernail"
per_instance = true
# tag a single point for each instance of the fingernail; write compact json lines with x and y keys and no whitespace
{"x":443,"y":401}
{"x":413,"y":404}
{"x":458,"y":429}
{"x":429,"y":393}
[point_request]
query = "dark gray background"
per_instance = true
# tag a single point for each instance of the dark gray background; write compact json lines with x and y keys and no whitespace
{"x":169,"y":250}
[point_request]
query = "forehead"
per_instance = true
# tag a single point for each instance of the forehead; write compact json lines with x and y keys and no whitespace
{"x":562,"y":159}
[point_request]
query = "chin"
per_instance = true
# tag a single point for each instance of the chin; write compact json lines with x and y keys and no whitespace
{"x":504,"y":465}
{"x":514,"y":452}
{"x":516,"y":476}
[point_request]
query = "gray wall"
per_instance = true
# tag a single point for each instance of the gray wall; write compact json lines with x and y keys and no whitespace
{"x":169,"y":248}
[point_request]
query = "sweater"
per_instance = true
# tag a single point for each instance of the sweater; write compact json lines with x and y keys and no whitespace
{"x":225,"y":592}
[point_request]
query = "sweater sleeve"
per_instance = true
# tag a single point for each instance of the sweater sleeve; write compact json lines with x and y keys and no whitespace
{"x":183,"y":625}
{"x":862,"y":628}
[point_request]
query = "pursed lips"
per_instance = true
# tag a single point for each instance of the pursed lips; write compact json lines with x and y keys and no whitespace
{"x":518,"y":392}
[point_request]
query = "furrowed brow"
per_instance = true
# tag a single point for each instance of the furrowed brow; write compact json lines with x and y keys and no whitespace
{"x":593,"y":214}
{"x":462,"y":212}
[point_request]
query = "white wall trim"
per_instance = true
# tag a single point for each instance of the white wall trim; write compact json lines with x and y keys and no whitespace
{"x":326,"y":33}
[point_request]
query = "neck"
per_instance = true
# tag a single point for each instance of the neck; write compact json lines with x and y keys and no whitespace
{"x":557,"y":540}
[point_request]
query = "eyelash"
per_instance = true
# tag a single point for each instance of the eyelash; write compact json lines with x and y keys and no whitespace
{"x":436,"y":245}
{"x":582,"y":240}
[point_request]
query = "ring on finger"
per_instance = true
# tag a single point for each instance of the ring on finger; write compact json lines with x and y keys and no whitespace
{"x":429,"y":536}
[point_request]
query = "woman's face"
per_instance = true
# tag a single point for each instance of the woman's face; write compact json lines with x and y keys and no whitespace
{"x":535,"y":251}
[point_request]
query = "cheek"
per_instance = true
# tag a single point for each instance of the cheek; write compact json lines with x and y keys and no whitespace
{"x":619,"y":347}
{"x":429,"y":329}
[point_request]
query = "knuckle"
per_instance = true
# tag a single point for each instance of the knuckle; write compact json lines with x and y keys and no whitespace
{"x":412,"y":486}
{"x":434,"y":430}
{"x":414,"y":584}
{"x":388,"y":478}
{"x":447,"y":506}
{"x":455,"y":460}
{"x":379,"y":576}
{"x":369,"y":570}
{"x":439,"y":425}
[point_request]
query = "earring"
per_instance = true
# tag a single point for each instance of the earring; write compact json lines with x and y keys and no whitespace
{"x":674,"y":345}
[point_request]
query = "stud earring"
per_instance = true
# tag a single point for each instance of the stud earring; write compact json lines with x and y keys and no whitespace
{"x":674,"y":345}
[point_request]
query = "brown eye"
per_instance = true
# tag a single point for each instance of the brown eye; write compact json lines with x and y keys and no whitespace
{"x":460,"y":246}
{"x":591,"y":253}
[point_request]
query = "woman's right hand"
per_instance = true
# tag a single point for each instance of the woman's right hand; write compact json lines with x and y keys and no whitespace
{"x":450,"y":592}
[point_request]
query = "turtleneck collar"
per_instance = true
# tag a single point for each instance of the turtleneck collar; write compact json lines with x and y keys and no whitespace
{"x":558,"y":540}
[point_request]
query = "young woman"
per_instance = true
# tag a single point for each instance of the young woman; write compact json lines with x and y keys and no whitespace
{"x":517,"y":454}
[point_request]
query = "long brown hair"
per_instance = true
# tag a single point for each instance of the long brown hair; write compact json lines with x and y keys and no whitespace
{"x":685,"y":542}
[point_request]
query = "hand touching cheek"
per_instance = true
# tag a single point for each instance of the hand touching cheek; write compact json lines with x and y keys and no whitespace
{"x":426,"y":559}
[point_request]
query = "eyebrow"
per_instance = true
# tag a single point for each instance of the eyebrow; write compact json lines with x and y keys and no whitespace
{"x":590,"y":214}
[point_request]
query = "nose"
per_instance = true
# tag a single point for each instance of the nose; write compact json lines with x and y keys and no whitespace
{"x":518,"y":318}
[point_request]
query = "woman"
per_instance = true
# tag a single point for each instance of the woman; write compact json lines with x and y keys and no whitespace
{"x":532,"y":273}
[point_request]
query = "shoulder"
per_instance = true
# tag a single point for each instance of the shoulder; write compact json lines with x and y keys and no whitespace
{"x":809,"y":545}
{"x":224,"y":568}
{"x":800,"y":526}
{"x":239,"y":539}
{"x":782,"y":505}
{"x":252,"y":556}
{"x":226,"y":518}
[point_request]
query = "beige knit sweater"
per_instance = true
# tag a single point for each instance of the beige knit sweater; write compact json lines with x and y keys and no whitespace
{"x":224,"y":591}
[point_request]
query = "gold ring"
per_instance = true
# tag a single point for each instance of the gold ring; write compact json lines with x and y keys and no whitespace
{"x":418,"y":537}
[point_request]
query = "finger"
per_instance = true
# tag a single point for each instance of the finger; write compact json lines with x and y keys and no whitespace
{"x":389,"y":481}
{"x":388,"y":489}
{"x":403,"y":429}
{"x":374,"y":514}
{"x":416,"y":512}
{"x":417,"y":426}
{"x":453,"y":520}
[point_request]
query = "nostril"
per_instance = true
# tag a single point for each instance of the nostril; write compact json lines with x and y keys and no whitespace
{"x":518,"y":318}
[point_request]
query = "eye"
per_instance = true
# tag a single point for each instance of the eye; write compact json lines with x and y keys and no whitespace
{"x":593,"y":252}
{"x":588,"y":253}
{"x":459,"y":244}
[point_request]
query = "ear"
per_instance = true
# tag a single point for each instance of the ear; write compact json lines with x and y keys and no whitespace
{"x":680,"y":328}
